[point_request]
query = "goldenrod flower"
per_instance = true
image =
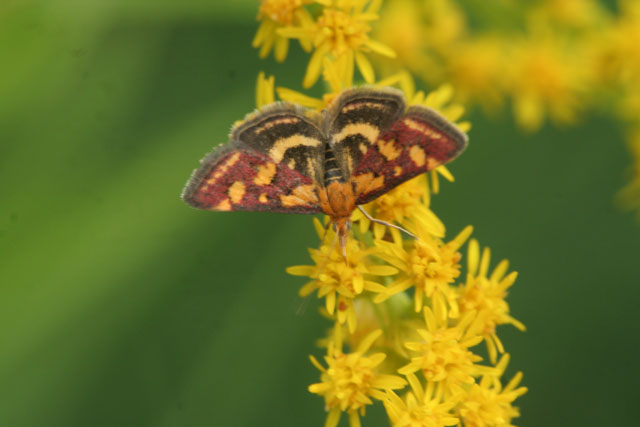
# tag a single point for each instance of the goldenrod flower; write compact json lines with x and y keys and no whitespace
{"x":485,"y":294}
{"x":276,"y":14}
{"x":429,"y":266}
{"x":421,"y":407}
{"x":546,"y":77}
{"x":443,"y":355}
{"x":476,"y":68}
{"x":401,"y":29}
{"x":350,"y":380}
{"x":341,"y":31}
{"x":488,"y":404}
{"x":340,"y":280}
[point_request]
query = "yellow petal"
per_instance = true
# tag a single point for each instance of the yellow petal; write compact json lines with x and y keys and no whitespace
{"x":364,"y":345}
{"x":314,"y":68}
{"x":473,"y":256}
{"x":365,"y":68}
{"x":382,"y":270}
{"x":300,"y":270}
{"x":380,"y":48}
{"x":281,"y":49}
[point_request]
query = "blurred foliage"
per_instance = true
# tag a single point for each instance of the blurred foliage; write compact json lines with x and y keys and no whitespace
{"x":120,"y":306}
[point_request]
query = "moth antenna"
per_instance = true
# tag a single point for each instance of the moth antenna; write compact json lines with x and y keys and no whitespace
{"x":385,"y":223}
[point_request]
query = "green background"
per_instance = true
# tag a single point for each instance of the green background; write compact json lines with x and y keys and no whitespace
{"x":121,"y":306}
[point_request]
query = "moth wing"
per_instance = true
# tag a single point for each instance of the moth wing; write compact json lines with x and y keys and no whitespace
{"x":288,"y":134}
{"x":239,"y":179}
{"x":356,"y":119}
{"x":272,"y":164}
{"x":419,"y":141}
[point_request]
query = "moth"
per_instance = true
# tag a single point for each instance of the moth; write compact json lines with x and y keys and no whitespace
{"x":284,"y":158}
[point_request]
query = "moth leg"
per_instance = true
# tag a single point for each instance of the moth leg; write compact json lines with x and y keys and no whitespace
{"x":385,"y":223}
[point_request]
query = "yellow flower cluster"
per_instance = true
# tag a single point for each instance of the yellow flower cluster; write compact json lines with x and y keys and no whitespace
{"x":407,"y":316}
{"x":429,"y":343}
{"x":546,"y":59}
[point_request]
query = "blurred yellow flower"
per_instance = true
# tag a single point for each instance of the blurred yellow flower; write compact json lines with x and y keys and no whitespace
{"x":545,"y":77}
{"x":476,"y":68}
{"x":350,"y":380}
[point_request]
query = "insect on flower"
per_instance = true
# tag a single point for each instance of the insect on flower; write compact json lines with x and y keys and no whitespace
{"x":283,"y":158}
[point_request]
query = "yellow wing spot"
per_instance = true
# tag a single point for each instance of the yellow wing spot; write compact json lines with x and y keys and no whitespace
{"x":367,"y":130}
{"x":357,"y":105}
{"x":236,"y":191}
{"x":363,"y":148}
{"x":265,"y":174}
{"x":283,"y":144}
{"x":418,"y":156}
{"x":224,"y":205}
{"x":292,"y":164}
{"x":301,"y":195}
{"x":272,"y":123}
{"x":388,"y":149}
{"x":427,"y":131}
{"x":263,"y":198}
{"x":367,"y":183}
{"x":397,"y":171}
{"x":223,"y":168}
{"x":432,"y":163}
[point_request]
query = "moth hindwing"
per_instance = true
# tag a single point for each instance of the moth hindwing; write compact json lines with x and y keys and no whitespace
{"x":418,"y":141}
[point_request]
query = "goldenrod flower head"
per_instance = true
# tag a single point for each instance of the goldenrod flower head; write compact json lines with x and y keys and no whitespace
{"x":280,"y":11}
{"x":545,"y":77}
{"x":402,"y":29}
{"x":350,"y":380}
{"x":443,"y":355}
{"x":340,"y":280}
{"x":276,"y":14}
{"x":341,"y":32}
{"x":445,"y":23}
{"x":488,"y":404}
{"x":421,"y":407}
{"x":485,"y":294}
{"x":476,"y":68}
{"x":429,"y":266}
